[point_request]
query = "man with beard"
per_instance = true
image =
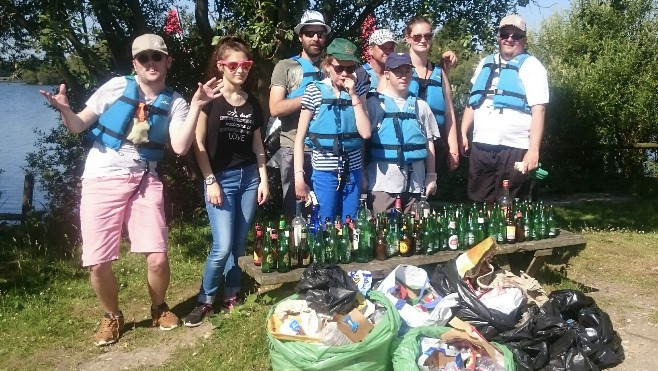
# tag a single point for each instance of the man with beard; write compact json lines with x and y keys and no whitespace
{"x":506,"y":110}
{"x":289,"y":81}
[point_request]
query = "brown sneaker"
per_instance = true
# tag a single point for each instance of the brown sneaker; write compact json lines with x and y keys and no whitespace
{"x":110,"y":329}
{"x":163,"y":317}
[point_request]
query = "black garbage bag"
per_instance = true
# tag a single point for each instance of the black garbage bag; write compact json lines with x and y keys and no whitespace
{"x":569,"y":332}
{"x":445,"y":280}
{"x":327,"y":288}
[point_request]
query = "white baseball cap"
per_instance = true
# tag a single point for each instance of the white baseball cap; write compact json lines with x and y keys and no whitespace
{"x":381,"y":37}
{"x":311,"y":18}
{"x":149,"y":42}
{"x":513,"y":20}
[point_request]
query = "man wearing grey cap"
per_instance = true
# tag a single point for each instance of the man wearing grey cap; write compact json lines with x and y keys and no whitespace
{"x":380,"y":44}
{"x":289,"y":81}
{"x":506,"y":112}
{"x":131,"y":119}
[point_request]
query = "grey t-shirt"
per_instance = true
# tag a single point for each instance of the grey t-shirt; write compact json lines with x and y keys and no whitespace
{"x":387,"y":176}
{"x":288,"y":73}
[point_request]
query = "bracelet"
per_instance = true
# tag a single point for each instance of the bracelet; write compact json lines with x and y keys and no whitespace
{"x":356,"y":104}
{"x":298,"y":171}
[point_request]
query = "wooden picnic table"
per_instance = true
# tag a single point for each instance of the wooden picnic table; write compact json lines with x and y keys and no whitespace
{"x":381,"y":268}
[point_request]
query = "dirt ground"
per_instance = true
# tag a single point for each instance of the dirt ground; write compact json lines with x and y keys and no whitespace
{"x":619,"y":270}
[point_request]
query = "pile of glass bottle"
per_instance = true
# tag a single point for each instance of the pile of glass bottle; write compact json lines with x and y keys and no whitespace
{"x":422,"y":232}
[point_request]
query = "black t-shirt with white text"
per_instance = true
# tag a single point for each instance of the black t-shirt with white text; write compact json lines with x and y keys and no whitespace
{"x":230,"y":131}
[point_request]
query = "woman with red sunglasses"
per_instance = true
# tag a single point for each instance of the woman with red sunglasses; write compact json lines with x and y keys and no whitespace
{"x":230,"y":154}
{"x":430,"y":83}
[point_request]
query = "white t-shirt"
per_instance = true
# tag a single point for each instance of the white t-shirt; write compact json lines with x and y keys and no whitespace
{"x":102,"y":161}
{"x":510,"y":127}
{"x":387,"y":176}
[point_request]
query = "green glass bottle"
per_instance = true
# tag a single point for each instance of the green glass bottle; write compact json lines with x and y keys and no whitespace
{"x":392,"y":240}
{"x":552,"y":224}
{"x":453,"y":239}
{"x":283,"y":256}
{"x":318,"y":247}
{"x":481,"y":230}
{"x":331,"y":246}
{"x":304,"y":252}
{"x":268,"y":262}
{"x":345,"y":246}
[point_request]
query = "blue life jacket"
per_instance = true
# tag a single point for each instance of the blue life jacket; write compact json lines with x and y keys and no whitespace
{"x":334,"y":127}
{"x":113,"y":124}
{"x":509,"y":93}
{"x":434,"y":93}
{"x":309,"y":74}
{"x":399,"y":137}
{"x":374,"y":79}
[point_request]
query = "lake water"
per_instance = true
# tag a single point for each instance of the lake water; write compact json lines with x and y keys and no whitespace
{"x":22,"y":110}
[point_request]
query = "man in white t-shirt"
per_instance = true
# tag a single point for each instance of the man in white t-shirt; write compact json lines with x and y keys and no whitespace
{"x":131,"y":118}
{"x":506,"y":111}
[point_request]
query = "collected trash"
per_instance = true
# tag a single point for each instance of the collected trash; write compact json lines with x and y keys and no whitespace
{"x":340,"y":334}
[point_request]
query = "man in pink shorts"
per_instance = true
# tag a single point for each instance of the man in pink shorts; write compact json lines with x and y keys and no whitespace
{"x":132,"y":118}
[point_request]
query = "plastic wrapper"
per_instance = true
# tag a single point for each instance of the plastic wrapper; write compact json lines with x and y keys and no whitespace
{"x":569,"y":332}
{"x":406,"y":350}
{"x":328,"y":289}
{"x":371,"y":354}
{"x":446,"y":280}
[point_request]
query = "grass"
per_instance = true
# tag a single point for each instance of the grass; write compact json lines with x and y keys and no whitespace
{"x":48,"y":311}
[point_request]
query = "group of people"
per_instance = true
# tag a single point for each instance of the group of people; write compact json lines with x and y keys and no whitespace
{"x":383,"y":128}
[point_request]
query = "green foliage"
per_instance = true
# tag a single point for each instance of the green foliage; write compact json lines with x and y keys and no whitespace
{"x":603,"y":76}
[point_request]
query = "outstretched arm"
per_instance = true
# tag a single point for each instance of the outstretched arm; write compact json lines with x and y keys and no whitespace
{"x":182,"y":138}
{"x":75,"y":122}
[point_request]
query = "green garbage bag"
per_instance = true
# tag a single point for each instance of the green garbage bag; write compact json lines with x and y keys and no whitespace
{"x":406,"y":349}
{"x":373,"y":353}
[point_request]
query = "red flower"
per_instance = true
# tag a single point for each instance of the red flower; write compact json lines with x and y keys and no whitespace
{"x":172,"y":24}
{"x":367,"y":29}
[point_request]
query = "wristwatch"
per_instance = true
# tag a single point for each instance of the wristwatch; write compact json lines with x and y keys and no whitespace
{"x":210,"y":179}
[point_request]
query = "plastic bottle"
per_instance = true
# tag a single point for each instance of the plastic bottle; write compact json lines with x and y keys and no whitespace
{"x":484,"y":363}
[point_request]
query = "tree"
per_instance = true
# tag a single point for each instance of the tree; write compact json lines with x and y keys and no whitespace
{"x":603,"y":76}
{"x":89,"y":42}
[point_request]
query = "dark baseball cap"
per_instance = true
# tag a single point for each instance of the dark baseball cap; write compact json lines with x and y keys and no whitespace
{"x":396,"y":60}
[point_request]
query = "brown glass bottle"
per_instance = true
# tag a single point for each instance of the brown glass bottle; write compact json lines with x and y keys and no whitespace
{"x":380,"y":248}
{"x":510,"y":227}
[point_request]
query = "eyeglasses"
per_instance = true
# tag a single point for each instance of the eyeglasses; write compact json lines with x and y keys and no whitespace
{"x":515,"y":36}
{"x":419,"y":37}
{"x":233,"y":66}
{"x":340,"y":68}
{"x":145,"y":58}
{"x":310,"y":34}
{"x":401,"y":71}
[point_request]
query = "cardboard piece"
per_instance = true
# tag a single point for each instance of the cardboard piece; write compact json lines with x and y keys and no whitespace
{"x":354,"y":325}
{"x":470,"y":262}
{"x":464,"y":331}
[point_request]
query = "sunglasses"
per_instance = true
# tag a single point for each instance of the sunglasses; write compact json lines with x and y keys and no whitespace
{"x":233,"y":66}
{"x":340,"y":68}
{"x":145,"y":58}
{"x":419,"y":37}
{"x":310,"y":34}
{"x":515,"y":36}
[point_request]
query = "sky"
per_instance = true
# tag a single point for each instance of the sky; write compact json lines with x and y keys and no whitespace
{"x":537,"y":11}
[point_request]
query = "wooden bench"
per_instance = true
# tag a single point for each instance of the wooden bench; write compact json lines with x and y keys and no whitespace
{"x":539,"y":250}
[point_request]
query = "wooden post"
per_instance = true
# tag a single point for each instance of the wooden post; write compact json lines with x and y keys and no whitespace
{"x":28,"y":195}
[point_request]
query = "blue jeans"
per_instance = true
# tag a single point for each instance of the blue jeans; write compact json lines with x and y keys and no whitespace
{"x":229,"y":224}
{"x":344,"y":201}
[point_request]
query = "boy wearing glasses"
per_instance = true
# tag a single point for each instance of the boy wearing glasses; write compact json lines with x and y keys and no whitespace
{"x":289,"y":81}
{"x":131,"y":118}
{"x":506,"y":111}
{"x":399,"y":122}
